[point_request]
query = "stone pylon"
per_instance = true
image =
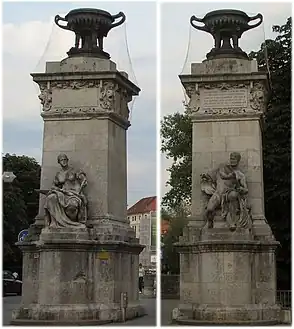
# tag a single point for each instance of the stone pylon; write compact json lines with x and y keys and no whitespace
{"x":228,"y":268}
{"x":89,"y":274}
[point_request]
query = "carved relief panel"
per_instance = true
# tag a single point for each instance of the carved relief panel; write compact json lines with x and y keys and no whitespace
{"x":84,"y":96}
{"x":226,"y":98}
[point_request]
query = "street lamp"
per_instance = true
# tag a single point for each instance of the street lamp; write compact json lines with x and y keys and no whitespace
{"x":8,"y":177}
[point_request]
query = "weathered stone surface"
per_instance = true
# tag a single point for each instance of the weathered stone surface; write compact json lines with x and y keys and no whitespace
{"x":85,"y":102}
{"x":224,"y":65}
{"x":70,"y":276}
{"x":77,"y":275}
{"x":81,"y":64}
{"x":227,"y":277}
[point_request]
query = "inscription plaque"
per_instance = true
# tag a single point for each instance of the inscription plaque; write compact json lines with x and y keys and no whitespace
{"x":215,"y":98}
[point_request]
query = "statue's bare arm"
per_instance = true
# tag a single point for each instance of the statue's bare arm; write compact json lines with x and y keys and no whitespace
{"x":224,"y":175}
{"x":243,"y":184}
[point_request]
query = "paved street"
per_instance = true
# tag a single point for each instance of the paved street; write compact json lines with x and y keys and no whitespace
{"x":12,"y":302}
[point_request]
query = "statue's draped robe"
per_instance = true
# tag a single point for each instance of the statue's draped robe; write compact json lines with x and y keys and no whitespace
{"x":58,"y":201}
{"x":215,"y":186}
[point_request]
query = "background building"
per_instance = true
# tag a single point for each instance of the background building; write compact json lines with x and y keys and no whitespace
{"x":142,"y":216}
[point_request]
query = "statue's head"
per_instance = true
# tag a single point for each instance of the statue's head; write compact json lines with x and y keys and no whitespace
{"x":235,"y":158}
{"x":62,"y":159}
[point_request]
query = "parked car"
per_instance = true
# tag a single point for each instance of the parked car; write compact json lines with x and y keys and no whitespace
{"x":11,"y":285}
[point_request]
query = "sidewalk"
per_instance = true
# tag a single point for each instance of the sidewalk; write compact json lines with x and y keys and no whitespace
{"x":11,"y":302}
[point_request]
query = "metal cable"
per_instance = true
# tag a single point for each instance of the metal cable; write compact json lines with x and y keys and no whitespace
{"x":266,"y":58}
{"x":128,"y":52}
{"x":185,"y":62}
{"x":46,"y":48}
{"x":188,"y":48}
{"x":41,"y":58}
{"x":131,"y":70}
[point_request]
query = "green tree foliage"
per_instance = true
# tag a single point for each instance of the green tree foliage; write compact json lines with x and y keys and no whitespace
{"x":170,"y":257}
{"x":277,"y":144}
{"x":274,"y":57}
{"x":20,"y":202}
{"x":176,"y":133}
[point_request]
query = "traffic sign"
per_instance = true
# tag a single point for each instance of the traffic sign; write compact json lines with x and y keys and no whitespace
{"x":22,"y":235}
{"x":8,"y":177}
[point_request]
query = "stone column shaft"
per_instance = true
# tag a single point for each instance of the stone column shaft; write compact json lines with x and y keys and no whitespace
{"x":85,"y":115}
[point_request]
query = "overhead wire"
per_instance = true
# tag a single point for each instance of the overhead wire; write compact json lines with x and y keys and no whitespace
{"x":188,"y":50}
{"x":129,"y":60}
{"x":185,"y":62}
{"x":265,"y":51}
{"x":266,"y":58}
{"x":40,"y":60}
{"x":46,"y":48}
{"x":131,"y":68}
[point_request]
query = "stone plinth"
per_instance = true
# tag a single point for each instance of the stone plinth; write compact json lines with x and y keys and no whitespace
{"x":227,"y":277}
{"x":71,"y":277}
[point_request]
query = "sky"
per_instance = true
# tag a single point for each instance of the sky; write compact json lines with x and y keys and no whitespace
{"x":30,"y":38}
{"x":176,"y":56}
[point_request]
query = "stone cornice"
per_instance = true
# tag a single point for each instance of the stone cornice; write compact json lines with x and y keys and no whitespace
{"x":226,"y":246}
{"x":197,"y":117}
{"x":76,"y":115}
{"x":98,"y":95}
{"x":220,"y":77}
{"x":116,"y":76}
{"x":81,"y":245}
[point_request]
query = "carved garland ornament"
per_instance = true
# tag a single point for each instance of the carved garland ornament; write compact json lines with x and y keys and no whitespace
{"x":107,"y":95}
{"x":256,"y":98}
{"x":75,"y":84}
{"x":45,"y":97}
{"x":193,"y":93}
{"x":110,"y":97}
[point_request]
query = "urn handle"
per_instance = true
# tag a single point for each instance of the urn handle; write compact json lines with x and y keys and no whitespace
{"x":249,"y":27}
{"x":123,"y":18}
{"x":201,"y":28}
{"x":59,"y":18}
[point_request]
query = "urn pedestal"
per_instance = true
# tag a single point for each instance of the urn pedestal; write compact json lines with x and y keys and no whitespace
{"x":227,"y":276}
{"x":81,"y":276}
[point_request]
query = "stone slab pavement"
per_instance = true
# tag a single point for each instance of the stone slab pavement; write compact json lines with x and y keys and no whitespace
{"x":11,"y":302}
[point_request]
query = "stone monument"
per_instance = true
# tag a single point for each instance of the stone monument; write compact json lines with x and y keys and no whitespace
{"x":227,"y":251}
{"x":80,"y":260}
